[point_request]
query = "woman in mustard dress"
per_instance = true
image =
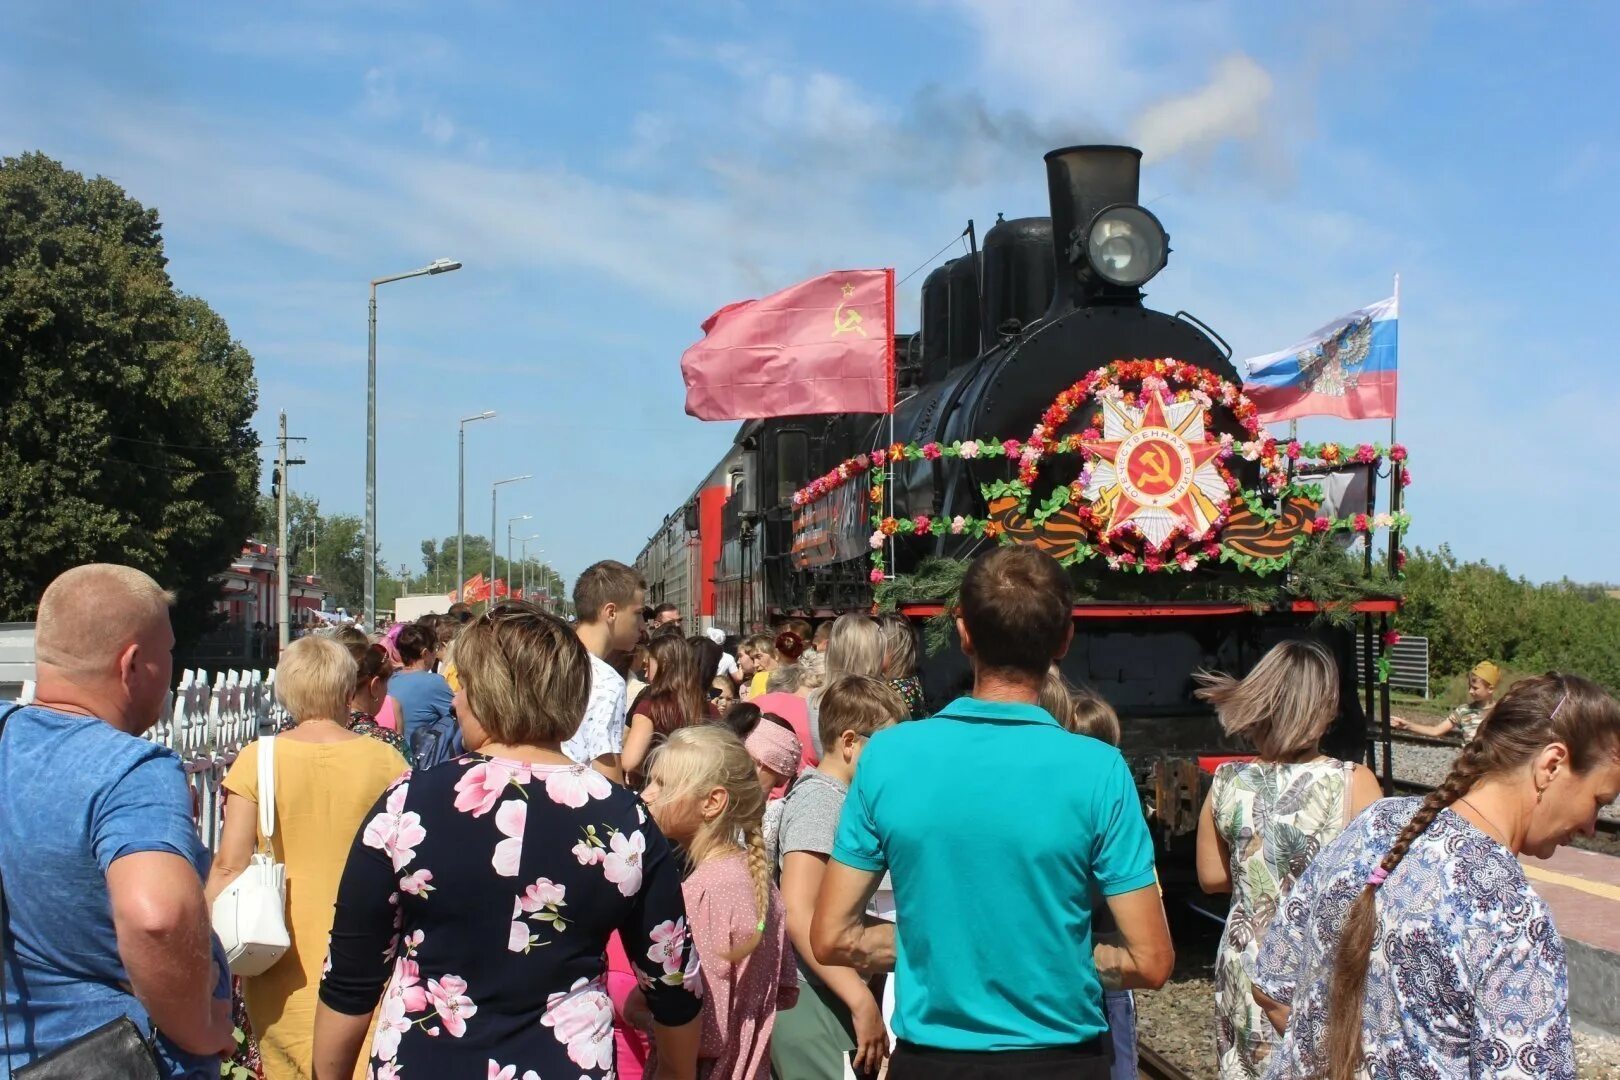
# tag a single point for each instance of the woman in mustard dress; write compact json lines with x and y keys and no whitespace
{"x":327,"y":778}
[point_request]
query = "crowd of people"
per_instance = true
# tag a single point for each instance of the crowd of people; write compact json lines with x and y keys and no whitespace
{"x":519,"y":848}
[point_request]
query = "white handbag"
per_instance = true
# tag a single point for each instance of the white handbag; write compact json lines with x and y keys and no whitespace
{"x":250,"y":915}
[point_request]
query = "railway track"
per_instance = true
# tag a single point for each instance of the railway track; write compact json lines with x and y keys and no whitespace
{"x":1154,"y":1066}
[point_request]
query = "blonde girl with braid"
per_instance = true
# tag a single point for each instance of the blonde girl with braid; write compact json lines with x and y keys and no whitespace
{"x":1414,"y":945}
{"x":706,"y":796}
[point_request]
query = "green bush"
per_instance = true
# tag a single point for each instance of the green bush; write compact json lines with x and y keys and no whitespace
{"x":1474,"y":611}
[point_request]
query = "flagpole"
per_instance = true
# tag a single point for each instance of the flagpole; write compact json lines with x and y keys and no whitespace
{"x":888,"y":486}
{"x":1396,"y":468}
{"x":1397,"y":370}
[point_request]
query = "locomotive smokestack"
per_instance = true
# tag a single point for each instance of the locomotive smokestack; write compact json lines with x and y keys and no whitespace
{"x":1081,"y":181}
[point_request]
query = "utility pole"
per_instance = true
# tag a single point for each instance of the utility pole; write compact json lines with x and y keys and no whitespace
{"x":279,"y":485}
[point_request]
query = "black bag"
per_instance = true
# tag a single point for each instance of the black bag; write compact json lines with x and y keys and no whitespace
{"x":114,"y":1051}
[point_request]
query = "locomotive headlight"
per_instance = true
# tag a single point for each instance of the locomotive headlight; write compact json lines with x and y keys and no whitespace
{"x":1126,"y":245}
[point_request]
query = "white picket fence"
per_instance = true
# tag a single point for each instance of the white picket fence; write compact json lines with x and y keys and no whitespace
{"x":207,"y":723}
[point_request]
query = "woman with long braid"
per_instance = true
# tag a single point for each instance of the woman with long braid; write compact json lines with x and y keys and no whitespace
{"x":1414,"y":945}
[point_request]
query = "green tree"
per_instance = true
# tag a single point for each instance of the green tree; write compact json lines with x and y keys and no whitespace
{"x":304,"y":521}
{"x":343,"y":561}
{"x":125,"y":434}
{"x":439,"y":563}
{"x":1475,"y":611}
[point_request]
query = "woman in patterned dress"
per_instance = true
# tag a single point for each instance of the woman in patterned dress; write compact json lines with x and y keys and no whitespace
{"x":1414,"y":946}
{"x":1264,"y":820}
{"x":482,"y":892}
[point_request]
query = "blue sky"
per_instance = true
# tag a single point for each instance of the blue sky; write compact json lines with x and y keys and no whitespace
{"x":610,"y":174}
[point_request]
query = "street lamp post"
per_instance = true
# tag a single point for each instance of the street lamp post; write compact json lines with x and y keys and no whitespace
{"x":461,"y":496}
{"x":494,"y":492}
{"x":509,"y":523}
{"x":524,"y":540}
{"x":437,"y":266}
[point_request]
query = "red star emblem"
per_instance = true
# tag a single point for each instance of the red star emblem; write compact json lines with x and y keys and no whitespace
{"x":1155,"y":471}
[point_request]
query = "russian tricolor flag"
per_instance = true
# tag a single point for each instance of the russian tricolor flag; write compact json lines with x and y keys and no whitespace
{"x":1347,"y":369}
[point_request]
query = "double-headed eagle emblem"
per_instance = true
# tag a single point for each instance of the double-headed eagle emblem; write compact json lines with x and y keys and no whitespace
{"x":1333,"y":367}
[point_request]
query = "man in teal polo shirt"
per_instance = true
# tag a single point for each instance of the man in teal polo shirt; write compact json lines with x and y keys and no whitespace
{"x":998,"y":827}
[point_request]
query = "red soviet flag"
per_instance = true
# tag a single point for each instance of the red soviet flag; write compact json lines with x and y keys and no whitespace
{"x":822,"y":346}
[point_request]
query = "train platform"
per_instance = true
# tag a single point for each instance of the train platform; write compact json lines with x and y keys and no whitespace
{"x":1583,"y":890}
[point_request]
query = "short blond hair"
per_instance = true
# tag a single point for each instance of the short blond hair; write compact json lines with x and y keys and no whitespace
{"x":1284,"y":706}
{"x":315,"y":679}
{"x":88,"y":615}
{"x":900,"y":652}
{"x":1080,"y":710}
{"x":861,"y":704}
{"x":854,"y":646}
{"x":784,"y":680}
{"x":528,"y":678}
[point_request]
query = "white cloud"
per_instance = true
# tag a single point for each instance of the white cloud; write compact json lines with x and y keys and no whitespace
{"x":1230,"y":107}
{"x":438,"y":126}
{"x":380,"y":93}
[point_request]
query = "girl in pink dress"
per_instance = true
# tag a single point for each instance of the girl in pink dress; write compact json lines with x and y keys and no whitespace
{"x":706,"y":796}
{"x":631,"y":1044}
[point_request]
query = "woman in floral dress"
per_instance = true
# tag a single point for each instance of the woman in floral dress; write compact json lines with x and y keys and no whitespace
{"x":1414,"y":946}
{"x":482,"y":893}
{"x":1264,"y":821}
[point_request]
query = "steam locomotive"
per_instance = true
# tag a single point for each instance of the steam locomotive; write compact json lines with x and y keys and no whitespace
{"x":1004,"y":331}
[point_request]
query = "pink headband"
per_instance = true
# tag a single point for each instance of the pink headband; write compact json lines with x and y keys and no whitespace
{"x":775,"y":747}
{"x":390,"y":643}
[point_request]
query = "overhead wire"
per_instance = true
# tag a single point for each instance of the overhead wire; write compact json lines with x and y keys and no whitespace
{"x":930,"y":260}
{"x":215,"y":447}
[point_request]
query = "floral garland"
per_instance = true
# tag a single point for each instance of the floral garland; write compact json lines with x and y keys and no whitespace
{"x":1328,"y":453}
{"x":1170,"y":381}
{"x":984,"y":528}
{"x":1167,"y":381}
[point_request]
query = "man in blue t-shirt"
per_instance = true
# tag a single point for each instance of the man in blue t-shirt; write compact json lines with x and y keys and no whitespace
{"x":99,"y":860}
{"x":997,"y":827}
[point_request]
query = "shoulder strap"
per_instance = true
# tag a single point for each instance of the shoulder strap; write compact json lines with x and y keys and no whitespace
{"x":267,"y":786}
{"x":5,"y":931}
{"x":1349,"y":768}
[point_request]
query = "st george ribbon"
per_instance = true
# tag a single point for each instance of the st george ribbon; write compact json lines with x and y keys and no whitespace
{"x":1347,"y":369}
{"x":822,"y":346}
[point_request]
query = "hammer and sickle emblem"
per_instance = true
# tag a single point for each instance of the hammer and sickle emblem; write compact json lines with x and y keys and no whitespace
{"x":1158,"y":470}
{"x":846,"y":321}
